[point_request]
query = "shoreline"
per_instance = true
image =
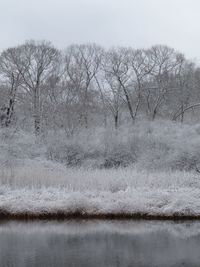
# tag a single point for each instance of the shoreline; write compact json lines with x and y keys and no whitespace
{"x":129,"y":204}
{"x":5,"y":215}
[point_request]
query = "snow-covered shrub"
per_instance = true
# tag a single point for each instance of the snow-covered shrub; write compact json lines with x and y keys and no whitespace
{"x":158,"y":145}
{"x":118,"y":159}
{"x":69,"y":154}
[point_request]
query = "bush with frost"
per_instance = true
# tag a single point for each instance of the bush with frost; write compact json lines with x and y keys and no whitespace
{"x":158,"y":145}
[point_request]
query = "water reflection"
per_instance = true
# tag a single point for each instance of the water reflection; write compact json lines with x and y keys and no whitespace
{"x":99,"y":244}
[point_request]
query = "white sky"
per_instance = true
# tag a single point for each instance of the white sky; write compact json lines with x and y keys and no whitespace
{"x":137,"y":23}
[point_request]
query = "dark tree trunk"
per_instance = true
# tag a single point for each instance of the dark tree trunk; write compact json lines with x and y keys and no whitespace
{"x":36,"y":116}
{"x":154,"y":114}
{"x":127,"y":100}
{"x":116,"y":117}
{"x":9,"y":113}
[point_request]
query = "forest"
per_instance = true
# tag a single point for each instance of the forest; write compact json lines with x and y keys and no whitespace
{"x":98,"y":132}
{"x":88,"y":106}
{"x":86,"y":86}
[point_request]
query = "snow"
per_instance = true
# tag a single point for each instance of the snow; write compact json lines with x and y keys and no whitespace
{"x":43,"y":187}
{"x":130,"y":201}
{"x":161,"y":181}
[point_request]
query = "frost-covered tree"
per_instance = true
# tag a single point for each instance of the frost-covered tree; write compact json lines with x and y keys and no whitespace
{"x":34,"y":62}
{"x":163,"y":62}
{"x":11,"y":80}
{"x":82,"y":62}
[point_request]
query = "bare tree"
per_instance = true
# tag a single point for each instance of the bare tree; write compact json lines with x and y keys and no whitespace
{"x":163,"y":61}
{"x":82,"y":64}
{"x":12,"y":79}
{"x":141,"y":69}
{"x":113,"y":97}
{"x":100,"y":83}
{"x":184,"y":88}
{"x":117,"y":67}
{"x":35,"y":63}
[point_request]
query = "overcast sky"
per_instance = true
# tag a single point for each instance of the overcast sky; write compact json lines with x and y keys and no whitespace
{"x":137,"y":23}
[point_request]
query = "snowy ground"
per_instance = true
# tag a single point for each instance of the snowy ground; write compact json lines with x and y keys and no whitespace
{"x":42,"y":187}
{"x":60,"y":175}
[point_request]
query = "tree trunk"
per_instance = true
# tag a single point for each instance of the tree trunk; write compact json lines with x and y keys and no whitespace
{"x":182,"y":115}
{"x":37,"y":118}
{"x":154,"y":114}
{"x":128,"y":101}
{"x":116,"y":120}
{"x":9,"y":112}
{"x":10,"y":108}
{"x":86,"y":120}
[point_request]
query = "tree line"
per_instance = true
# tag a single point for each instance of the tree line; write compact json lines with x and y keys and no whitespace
{"x":87,"y":85}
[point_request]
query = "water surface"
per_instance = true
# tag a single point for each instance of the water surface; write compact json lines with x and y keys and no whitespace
{"x":99,"y":244}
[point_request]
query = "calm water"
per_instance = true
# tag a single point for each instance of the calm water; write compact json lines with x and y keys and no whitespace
{"x":99,"y":243}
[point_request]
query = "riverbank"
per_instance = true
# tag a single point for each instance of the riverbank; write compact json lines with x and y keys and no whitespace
{"x":96,"y":194}
{"x":60,"y":216}
{"x":41,"y":189}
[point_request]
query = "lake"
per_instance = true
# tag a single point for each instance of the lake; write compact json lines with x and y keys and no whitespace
{"x":99,"y":243}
